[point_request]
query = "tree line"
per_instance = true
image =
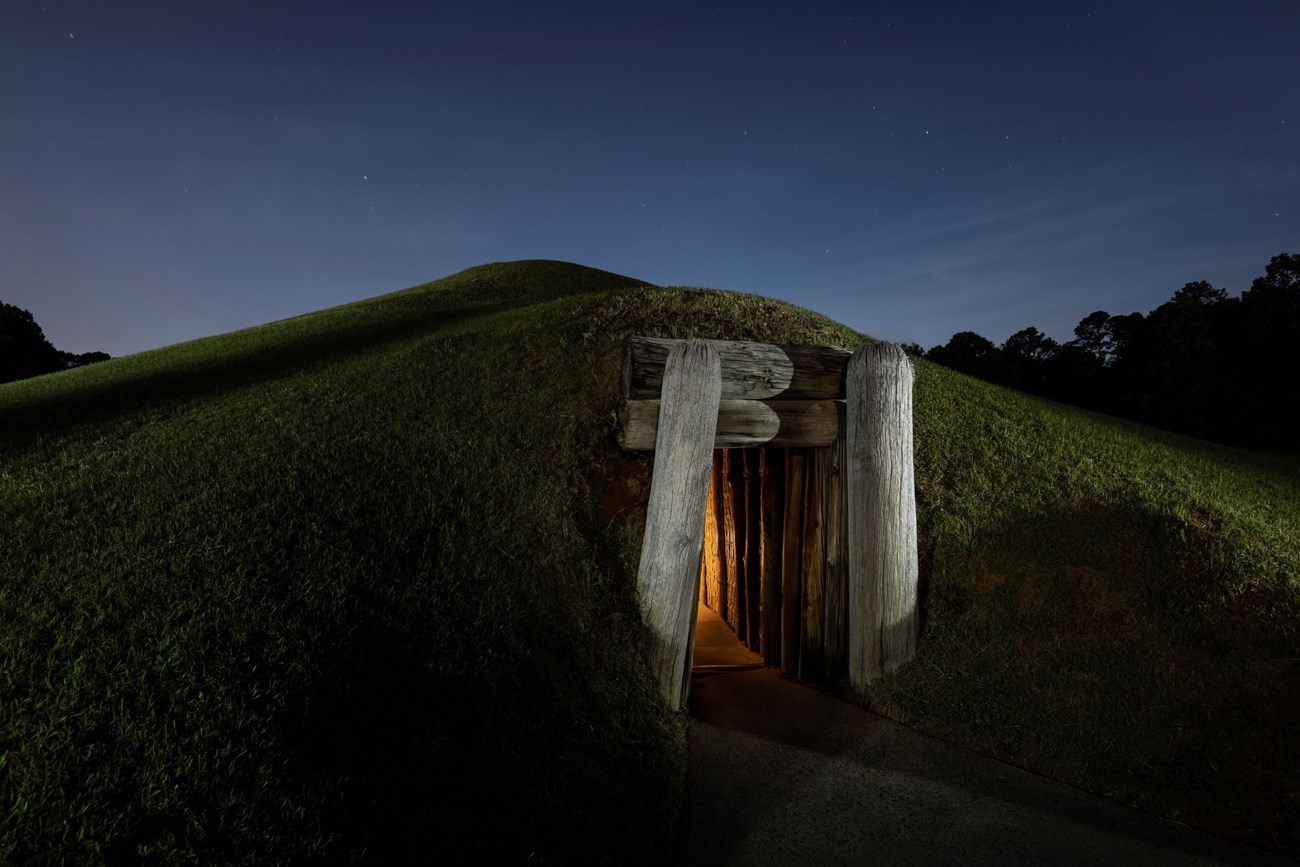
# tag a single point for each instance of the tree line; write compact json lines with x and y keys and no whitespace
{"x":25,"y":352}
{"x":1203,"y":363}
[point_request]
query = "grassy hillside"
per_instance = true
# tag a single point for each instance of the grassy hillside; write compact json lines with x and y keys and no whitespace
{"x":323,"y":587}
{"x":1110,"y":605}
{"x":360,"y":583}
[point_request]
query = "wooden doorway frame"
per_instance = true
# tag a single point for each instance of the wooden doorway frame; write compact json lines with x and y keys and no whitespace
{"x":684,"y":398}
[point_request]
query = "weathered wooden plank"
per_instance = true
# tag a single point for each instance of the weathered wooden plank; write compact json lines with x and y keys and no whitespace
{"x":750,"y":371}
{"x":743,"y":423}
{"x":718,"y":552}
{"x":810,"y":648}
{"x":704,"y":568}
{"x":740,"y":530}
{"x":792,"y":561}
{"x":674,"y":532}
{"x":835,"y":571}
{"x":753,"y":549}
{"x":883,"y":567}
{"x":710,"y":564}
{"x":729,"y":541}
{"x":772,"y":484}
{"x":693,"y":618}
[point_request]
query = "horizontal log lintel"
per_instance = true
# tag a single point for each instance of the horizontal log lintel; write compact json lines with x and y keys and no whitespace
{"x":744,"y":423}
{"x":750,"y":371}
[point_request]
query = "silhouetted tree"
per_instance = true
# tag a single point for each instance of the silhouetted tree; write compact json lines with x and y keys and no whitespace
{"x":24,"y":351}
{"x":1093,"y":337}
{"x":81,"y":359}
{"x":973,"y":354}
{"x":1268,"y":330}
{"x":1183,"y":364}
{"x":1201,"y":293}
{"x":1026,"y":354}
{"x":915,"y":350}
{"x":1202,"y":363}
{"x":1127,"y":375}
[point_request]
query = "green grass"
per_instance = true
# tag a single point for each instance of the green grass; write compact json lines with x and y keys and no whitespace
{"x":322,"y":587}
{"x":1110,"y":605}
{"x":360,"y":584}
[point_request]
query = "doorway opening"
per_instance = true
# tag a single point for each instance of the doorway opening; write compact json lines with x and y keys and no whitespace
{"x":773,"y":585}
{"x":800,"y":459}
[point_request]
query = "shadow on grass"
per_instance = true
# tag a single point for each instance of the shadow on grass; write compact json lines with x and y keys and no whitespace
{"x":1126,"y":650}
{"x":377,"y":735}
{"x":432,"y":756}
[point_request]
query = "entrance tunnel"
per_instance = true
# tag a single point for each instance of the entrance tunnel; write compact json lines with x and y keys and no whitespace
{"x":797,"y":439}
{"x":774,"y":565}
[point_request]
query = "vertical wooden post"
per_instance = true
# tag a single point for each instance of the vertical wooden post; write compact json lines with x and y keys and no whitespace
{"x":718,"y":552}
{"x":729,"y":540}
{"x":753,"y":547}
{"x":771,"y":470}
{"x":883,"y":567}
{"x":810,"y":650}
{"x":674,"y":532}
{"x":709,"y":559}
{"x":835,"y":572}
{"x":792,"y":561}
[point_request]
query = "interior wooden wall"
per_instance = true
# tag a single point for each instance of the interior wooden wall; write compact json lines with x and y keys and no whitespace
{"x":775,"y":555}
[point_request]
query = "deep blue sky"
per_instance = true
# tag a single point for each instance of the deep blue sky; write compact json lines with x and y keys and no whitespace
{"x":173,"y":170}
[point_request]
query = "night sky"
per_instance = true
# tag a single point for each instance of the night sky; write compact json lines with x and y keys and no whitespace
{"x":174,"y":170}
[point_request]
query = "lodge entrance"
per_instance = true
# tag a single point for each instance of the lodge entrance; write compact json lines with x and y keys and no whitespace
{"x":773,"y":565}
{"x":781,"y":498}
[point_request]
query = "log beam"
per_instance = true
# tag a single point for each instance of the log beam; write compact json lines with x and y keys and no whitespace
{"x":743,"y":423}
{"x":750,"y":371}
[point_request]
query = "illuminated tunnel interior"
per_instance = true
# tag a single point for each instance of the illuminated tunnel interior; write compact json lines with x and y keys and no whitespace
{"x":774,"y":566}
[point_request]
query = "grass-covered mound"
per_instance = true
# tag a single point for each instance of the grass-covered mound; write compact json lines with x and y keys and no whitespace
{"x":328,"y":585}
{"x":360,"y":583}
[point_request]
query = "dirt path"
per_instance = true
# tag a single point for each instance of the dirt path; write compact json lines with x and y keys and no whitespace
{"x":783,"y":774}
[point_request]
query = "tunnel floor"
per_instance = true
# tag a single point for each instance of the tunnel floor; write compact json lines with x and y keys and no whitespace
{"x":716,"y":645}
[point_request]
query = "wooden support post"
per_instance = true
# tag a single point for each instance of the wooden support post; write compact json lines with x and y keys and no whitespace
{"x":718,"y":553}
{"x":835,"y":572}
{"x":810,"y":643}
{"x":772,"y":473}
{"x":729,"y":540}
{"x":709,"y":564}
{"x":883,"y":567}
{"x":792,"y":561}
{"x":674,"y":532}
{"x":753,"y":548}
{"x":739,"y":480}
